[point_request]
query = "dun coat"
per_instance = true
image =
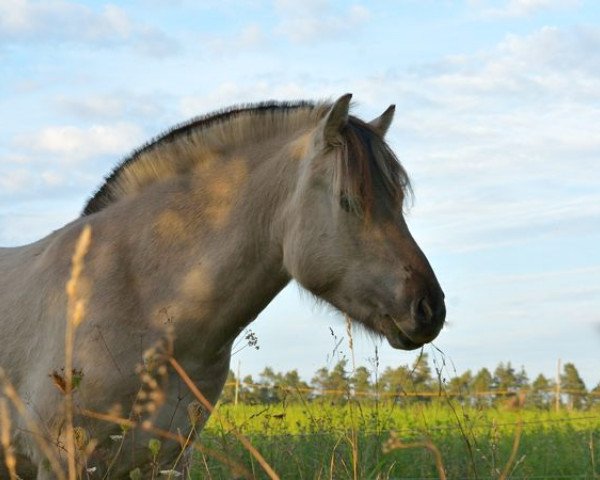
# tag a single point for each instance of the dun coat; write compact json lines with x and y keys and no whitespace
{"x":191,"y":237}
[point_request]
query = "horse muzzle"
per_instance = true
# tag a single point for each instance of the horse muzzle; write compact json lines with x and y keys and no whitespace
{"x":422,"y":324}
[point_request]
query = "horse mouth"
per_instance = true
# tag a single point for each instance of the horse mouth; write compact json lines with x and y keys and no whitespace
{"x":396,"y":337}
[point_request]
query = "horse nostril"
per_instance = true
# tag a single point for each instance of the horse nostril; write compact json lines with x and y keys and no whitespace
{"x":422,"y":311}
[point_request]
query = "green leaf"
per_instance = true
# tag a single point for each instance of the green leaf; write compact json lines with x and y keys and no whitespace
{"x":135,"y":474}
{"x":154,"y":446}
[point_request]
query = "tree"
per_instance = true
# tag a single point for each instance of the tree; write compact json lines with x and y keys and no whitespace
{"x":421,"y":374}
{"x":320,"y":380}
{"x":228,"y":394}
{"x":460,"y":385}
{"x":334,"y":384}
{"x":505,"y":378}
{"x":339,"y":381}
{"x":291,"y":383}
{"x":482,"y":383}
{"x":396,"y":381}
{"x":292,"y":380}
{"x":249,"y":392}
{"x":268,"y":391}
{"x":594,"y":397}
{"x":573,"y":386}
{"x":360,"y":381}
{"x":540,"y":392}
{"x":521,"y":379}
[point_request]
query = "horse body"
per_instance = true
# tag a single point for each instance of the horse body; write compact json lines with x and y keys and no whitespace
{"x":195,"y":237}
{"x":151,"y":265}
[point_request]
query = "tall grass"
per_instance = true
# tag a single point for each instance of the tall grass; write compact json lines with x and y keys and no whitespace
{"x":299,"y":443}
{"x":75,"y":314}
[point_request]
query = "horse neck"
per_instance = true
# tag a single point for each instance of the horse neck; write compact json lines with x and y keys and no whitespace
{"x":210,"y":252}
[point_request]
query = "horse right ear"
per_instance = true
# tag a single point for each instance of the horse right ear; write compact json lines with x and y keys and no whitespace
{"x":382,"y":123}
{"x":336,"y":119}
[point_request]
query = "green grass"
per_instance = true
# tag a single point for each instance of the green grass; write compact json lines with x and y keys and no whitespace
{"x":316,"y":440}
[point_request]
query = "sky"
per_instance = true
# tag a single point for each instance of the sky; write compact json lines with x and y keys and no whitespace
{"x":497,"y":123}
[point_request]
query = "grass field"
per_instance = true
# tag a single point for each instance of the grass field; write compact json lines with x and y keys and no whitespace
{"x":317,"y":440}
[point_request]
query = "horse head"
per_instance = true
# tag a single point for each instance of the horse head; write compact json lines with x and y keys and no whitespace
{"x":346,"y":239}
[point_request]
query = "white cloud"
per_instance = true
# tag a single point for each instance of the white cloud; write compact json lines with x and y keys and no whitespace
{"x":62,"y":20}
{"x":14,"y":159}
{"x":113,"y":105}
{"x":477,"y":222}
{"x":311,"y":6}
{"x":231,"y":93}
{"x":312,"y":21}
{"x":53,"y":179}
{"x":153,"y":42}
{"x":15,"y":180}
{"x":250,"y":37}
{"x":93,"y":106}
{"x":73,"y":145}
{"x":65,"y":21}
{"x":299,"y":22}
{"x":521,"y":8}
{"x":21,"y":180}
{"x":548,"y":61}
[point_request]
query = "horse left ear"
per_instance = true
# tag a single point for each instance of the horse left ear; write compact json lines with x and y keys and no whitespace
{"x":335,"y":120}
{"x":382,"y":123}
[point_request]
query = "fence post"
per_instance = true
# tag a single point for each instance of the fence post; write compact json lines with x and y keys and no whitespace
{"x":557,"y":393}
{"x":237,"y":384}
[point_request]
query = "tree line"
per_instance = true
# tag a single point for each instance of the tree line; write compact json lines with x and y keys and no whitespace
{"x":418,"y":382}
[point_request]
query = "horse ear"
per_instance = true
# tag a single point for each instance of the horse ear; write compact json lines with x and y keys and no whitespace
{"x":335,"y":120}
{"x":382,"y":123}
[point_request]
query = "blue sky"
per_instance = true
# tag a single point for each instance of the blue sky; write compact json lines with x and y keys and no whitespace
{"x":498,"y":113}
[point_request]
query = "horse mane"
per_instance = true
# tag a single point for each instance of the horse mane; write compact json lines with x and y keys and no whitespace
{"x":365,"y":162}
{"x":369,"y":176}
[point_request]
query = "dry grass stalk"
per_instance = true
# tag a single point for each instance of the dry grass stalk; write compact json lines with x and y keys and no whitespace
{"x":209,"y":407}
{"x":148,"y":427}
{"x":153,"y":374}
{"x":9,"y":454}
{"x":592,"y":456}
{"x":513,"y":453}
{"x":354,"y":436}
{"x":75,"y":315}
{"x":353,"y":440}
{"x":194,"y":410}
{"x":350,"y":341}
{"x":40,"y":439}
{"x":332,"y":462}
{"x":394,"y":443}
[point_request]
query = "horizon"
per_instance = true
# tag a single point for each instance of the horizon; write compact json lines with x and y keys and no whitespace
{"x":497,"y":112}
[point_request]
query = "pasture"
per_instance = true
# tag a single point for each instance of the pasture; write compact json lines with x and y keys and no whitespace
{"x":316,"y":440}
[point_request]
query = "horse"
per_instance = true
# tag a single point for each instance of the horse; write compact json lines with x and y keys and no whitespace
{"x":195,"y":233}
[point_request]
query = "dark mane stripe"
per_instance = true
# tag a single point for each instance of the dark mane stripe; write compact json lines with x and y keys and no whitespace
{"x":104,"y":195}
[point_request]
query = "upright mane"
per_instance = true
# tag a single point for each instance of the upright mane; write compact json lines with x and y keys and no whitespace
{"x":365,"y":164}
{"x":178,"y":149}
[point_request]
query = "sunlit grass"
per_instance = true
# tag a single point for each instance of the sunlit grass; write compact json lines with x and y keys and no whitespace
{"x":313,"y":441}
